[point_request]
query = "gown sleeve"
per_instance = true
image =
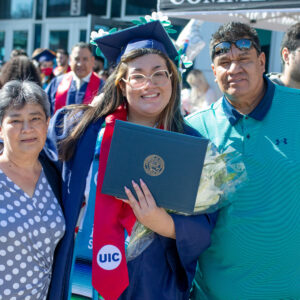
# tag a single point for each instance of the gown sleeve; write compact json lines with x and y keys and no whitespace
{"x":51,"y":92}
{"x":193,"y":236}
{"x":59,"y":128}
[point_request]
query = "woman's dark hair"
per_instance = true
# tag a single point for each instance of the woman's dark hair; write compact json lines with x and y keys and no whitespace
{"x":112,"y":97}
{"x":16,"y":94}
{"x":20,"y":68}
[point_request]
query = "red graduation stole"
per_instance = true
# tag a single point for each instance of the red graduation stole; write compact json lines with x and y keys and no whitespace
{"x":64,"y":86}
{"x":109,"y":268}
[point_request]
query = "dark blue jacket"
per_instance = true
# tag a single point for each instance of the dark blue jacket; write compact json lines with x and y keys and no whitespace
{"x":73,"y":96}
{"x":165,"y":269}
{"x":52,"y":173}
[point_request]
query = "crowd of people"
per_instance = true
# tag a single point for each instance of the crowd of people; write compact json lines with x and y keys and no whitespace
{"x":73,"y":79}
{"x":57,"y":117}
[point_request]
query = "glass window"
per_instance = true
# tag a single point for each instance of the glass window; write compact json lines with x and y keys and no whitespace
{"x":20,"y":39}
{"x":2,"y":49}
{"x":58,"y":39}
{"x":58,"y":8}
{"x":37,"y":35}
{"x":82,"y":35}
{"x":140,"y":7}
{"x":96,"y":7}
{"x":116,"y":8}
{"x":39,"y":9}
{"x":5,"y":9}
{"x":16,"y":9}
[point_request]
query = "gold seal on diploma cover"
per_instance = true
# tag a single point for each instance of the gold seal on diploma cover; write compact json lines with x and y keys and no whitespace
{"x":154,"y":165}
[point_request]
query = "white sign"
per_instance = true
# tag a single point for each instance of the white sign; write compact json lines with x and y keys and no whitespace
{"x":179,"y":2}
{"x":75,"y":7}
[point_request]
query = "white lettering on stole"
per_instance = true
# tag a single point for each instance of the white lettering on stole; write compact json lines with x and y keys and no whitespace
{"x":90,"y":244}
{"x":109,"y":257}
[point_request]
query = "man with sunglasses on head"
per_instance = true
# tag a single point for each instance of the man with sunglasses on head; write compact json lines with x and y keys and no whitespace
{"x":290,"y":58}
{"x":255,"y":249}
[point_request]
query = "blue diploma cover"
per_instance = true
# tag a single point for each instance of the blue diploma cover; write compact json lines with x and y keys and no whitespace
{"x":170,"y":163}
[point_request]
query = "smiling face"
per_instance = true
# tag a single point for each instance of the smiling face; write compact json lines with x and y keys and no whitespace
{"x":24,"y":130}
{"x":147,"y":103}
{"x":239,"y":73}
{"x":81,"y":61}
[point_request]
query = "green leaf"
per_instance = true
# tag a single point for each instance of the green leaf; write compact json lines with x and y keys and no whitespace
{"x":180,"y":51}
{"x":93,"y":43}
{"x":166,"y":22}
{"x":171,"y":30}
{"x":136,"y":22}
{"x":98,"y":52}
{"x":144,"y":21}
{"x":113,"y":30}
{"x":188,"y":64}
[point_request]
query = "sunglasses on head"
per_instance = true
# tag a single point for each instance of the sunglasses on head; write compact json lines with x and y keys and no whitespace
{"x":224,"y":47}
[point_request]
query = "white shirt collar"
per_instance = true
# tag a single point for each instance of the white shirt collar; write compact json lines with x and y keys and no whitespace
{"x":79,"y":82}
{"x":85,"y":79}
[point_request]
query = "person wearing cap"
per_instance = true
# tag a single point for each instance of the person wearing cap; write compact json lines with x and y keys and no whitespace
{"x":160,"y":263}
{"x":45,"y":58}
{"x":255,"y":249}
{"x":80,"y":85}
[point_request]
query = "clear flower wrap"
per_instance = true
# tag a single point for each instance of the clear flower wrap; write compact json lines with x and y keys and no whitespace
{"x":222,"y":174}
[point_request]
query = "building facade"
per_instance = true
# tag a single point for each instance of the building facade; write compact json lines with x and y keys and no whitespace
{"x":31,"y":24}
{"x":53,"y":24}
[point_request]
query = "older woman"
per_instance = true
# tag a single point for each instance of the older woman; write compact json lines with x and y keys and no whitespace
{"x":31,"y":220}
{"x":143,"y":89}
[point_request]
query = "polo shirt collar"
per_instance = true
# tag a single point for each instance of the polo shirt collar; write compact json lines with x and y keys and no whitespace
{"x":258,"y":113}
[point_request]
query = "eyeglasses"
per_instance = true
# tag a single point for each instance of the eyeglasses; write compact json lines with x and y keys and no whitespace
{"x":158,"y":78}
{"x":242,"y":44}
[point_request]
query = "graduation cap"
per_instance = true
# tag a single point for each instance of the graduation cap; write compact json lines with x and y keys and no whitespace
{"x":45,"y":55}
{"x":149,"y":35}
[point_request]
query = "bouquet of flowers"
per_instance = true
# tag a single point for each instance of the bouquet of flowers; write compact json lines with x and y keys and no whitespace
{"x":222,"y":174}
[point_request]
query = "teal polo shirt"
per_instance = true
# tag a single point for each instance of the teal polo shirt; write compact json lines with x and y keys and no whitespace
{"x":255,"y":250}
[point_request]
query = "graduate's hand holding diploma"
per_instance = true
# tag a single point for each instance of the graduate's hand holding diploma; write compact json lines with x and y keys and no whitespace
{"x":148,"y":213}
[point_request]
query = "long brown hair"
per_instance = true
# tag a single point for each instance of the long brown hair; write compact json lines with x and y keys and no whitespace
{"x":20,"y":68}
{"x":112,"y":97}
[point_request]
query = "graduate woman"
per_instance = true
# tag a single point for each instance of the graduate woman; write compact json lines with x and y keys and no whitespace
{"x":160,"y":259}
